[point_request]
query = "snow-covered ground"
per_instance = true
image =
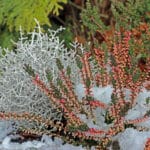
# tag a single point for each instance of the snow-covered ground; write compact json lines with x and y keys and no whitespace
{"x":130,"y":139}
{"x":46,"y":143}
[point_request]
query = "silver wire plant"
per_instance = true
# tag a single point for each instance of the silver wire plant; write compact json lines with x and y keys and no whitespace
{"x":40,"y":51}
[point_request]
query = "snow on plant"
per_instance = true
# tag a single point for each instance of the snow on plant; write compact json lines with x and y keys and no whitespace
{"x":38,"y":84}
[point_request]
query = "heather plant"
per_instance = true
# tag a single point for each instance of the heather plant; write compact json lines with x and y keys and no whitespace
{"x":127,"y":14}
{"x":92,"y":13}
{"x":122,"y":15}
{"x":130,"y":13}
{"x":39,"y":83}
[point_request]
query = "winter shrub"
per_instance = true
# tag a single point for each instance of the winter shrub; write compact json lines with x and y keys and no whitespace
{"x":41,"y":81}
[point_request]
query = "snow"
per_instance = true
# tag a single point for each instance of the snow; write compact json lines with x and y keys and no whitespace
{"x":99,"y":93}
{"x":5,"y":129}
{"x":46,"y":143}
{"x":141,"y":107}
{"x":79,"y":89}
{"x":132,"y":139}
{"x":7,"y":144}
{"x":103,"y":93}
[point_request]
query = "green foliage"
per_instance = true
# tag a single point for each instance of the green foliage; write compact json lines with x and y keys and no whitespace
{"x":148,"y":113}
{"x":66,"y":35}
{"x":59,"y":64}
{"x":83,"y":127}
{"x":91,"y":17}
{"x":6,"y":37}
{"x":49,"y":75}
{"x":68,"y":71}
{"x":130,"y":13}
{"x":148,"y":100}
{"x":108,"y":118}
{"x":29,"y":70}
{"x":79,"y":63}
{"x":126,"y":14}
{"x":136,"y":76}
{"x":88,"y":82}
{"x":16,"y":13}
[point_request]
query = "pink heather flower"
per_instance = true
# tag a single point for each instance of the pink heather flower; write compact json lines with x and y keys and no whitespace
{"x":94,"y":132}
{"x":35,"y":79}
{"x":96,"y":103}
{"x":147,"y":145}
{"x":62,"y":101}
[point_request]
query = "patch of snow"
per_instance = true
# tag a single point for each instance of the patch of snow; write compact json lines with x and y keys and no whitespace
{"x":8,"y":145}
{"x":142,"y":96}
{"x":5,"y":129}
{"x":141,"y":107}
{"x":46,"y":143}
{"x":79,"y":89}
{"x":89,"y":122}
{"x":132,"y":139}
{"x":103,"y":93}
{"x":99,"y":93}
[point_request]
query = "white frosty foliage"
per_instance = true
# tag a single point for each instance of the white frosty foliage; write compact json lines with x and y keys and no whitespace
{"x":17,"y":92}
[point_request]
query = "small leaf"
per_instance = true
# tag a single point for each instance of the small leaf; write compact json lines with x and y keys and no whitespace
{"x":88,"y":82}
{"x":49,"y":75}
{"x":68,"y":70}
{"x":79,"y":63}
{"x":29,"y":70}
{"x":59,"y":64}
{"x":148,"y":100}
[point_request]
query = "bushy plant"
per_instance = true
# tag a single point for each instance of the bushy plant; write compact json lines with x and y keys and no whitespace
{"x":122,"y":15}
{"x":129,"y":14}
{"x":38,"y":88}
{"x":40,"y":53}
{"x":16,"y":14}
